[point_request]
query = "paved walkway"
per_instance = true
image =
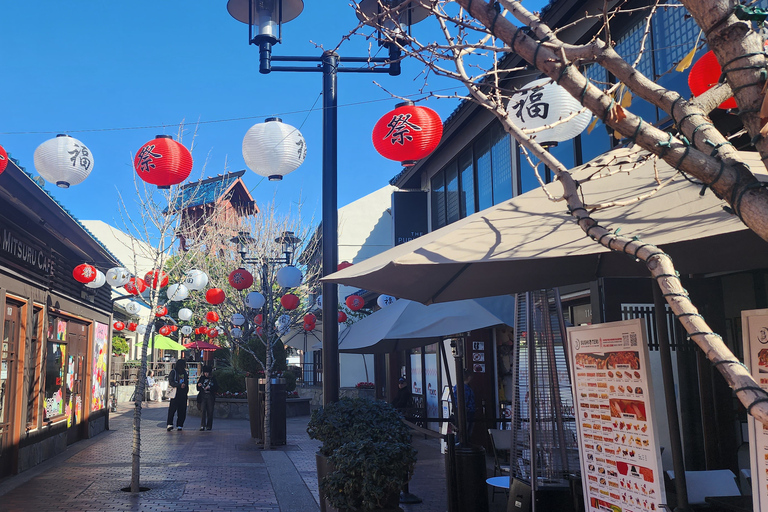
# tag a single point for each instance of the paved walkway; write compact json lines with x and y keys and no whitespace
{"x":189,"y":471}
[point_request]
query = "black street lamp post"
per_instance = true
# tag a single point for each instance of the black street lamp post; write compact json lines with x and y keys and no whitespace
{"x":268,"y":16}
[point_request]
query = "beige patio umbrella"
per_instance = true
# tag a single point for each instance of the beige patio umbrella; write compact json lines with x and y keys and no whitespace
{"x":530,"y":242}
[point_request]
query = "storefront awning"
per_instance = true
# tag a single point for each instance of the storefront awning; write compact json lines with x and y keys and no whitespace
{"x":530,"y":242}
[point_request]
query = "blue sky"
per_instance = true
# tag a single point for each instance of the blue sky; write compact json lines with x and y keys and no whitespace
{"x":115,"y":74}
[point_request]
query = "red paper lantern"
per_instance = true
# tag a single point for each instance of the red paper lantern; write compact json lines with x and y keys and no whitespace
{"x":173,"y":328}
{"x":156,"y":276}
{"x":310,"y":318}
{"x":212,"y":316}
{"x":164,"y":330}
{"x":342,"y":317}
{"x":161,"y":311}
{"x":84,"y":273}
{"x":3,"y":159}
{"x":258,"y":319}
{"x":215,"y":296}
{"x":705,"y":74}
{"x":308,"y":327}
{"x":163,"y":162}
{"x":343,"y":265}
{"x":289,"y":301}
{"x":355,"y":302}
{"x":197,"y":330}
{"x":135,"y":286}
{"x":240,"y":279}
{"x":408,"y":133}
{"x":259,"y":331}
{"x":118,"y":326}
{"x":203,"y":329}
{"x":213,"y":333}
{"x":132,"y":326}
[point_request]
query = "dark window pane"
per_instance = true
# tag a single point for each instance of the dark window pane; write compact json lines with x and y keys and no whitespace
{"x":467,"y":174}
{"x":628,"y":47}
{"x":598,"y":141}
{"x":564,"y":152}
{"x":484,"y":173}
{"x":502,"y":166}
{"x":55,"y":372}
{"x":528,"y":179}
{"x":452,"y":193}
{"x":438,"y":200}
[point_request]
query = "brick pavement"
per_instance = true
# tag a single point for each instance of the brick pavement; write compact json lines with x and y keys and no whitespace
{"x":190,"y":471}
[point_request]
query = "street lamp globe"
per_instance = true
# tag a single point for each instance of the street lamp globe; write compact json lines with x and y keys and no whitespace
{"x":396,"y":16}
{"x":265,"y":15}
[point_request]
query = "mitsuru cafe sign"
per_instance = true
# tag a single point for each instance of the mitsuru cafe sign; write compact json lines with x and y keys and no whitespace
{"x":25,"y":253}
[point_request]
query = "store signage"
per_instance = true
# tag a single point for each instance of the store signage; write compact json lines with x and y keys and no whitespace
{"x":754,"y":328}
{"x":20,"y":252}
{"x":409,"y":215}
{"x":619,"y":453}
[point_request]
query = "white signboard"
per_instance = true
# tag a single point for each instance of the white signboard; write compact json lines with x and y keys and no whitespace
{"x":416,"y":376}
{"x":620,"y":460}
{"x":433,"y":400}
{"x":754,"y":327}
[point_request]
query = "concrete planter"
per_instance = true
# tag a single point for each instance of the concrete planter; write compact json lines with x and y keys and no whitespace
{"x":237,"y":408}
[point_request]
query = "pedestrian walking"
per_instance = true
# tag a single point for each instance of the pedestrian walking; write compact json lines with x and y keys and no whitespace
{"x":178,"y":384}
{"x":206,"y":388}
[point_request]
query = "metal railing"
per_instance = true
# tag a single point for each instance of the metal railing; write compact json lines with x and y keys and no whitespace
{"x":127,"y":373}
{"x":311,"y":374}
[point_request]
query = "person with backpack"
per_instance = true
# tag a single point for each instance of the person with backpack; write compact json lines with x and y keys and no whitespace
{"x":178,"y":386}
{"x":206,"y":388}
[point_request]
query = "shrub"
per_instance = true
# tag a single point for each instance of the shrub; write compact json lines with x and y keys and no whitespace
{"x":230,"y":380}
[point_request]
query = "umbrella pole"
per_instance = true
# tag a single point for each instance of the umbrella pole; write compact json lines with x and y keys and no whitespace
{"x":660,"y":311}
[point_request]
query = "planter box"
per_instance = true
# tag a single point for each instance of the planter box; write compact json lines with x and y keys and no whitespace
{"x":237,"y":408}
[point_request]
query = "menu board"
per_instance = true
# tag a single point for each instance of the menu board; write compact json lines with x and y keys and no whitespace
{"x":754,"y":328}
{"x":620,"y":460}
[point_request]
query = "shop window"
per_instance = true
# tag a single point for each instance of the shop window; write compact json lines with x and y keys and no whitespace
{"x":55,"y":370}
{"x":674,"y":33}
{"x":438,"y":200}
{"x":628,"y":46}
{"x":32,"y":369}
{"x":482,"y":149}
{"x":501,"y":158}
{"x":467,"y":184}
{"x":452,"y":193}
{"x":597,"y":141}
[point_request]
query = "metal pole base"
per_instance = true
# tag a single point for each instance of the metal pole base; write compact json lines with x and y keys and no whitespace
{"x":470,"y":479}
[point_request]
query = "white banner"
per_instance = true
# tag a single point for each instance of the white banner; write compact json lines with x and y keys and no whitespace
{"x":620,"y":460}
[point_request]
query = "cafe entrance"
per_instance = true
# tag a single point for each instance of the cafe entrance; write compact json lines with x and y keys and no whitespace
{"x":77,"y":348}
{"x":10,"y":343}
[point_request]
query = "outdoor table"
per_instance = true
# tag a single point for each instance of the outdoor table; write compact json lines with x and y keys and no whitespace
{"x":498,"y":481}
{"x":734,"y":503}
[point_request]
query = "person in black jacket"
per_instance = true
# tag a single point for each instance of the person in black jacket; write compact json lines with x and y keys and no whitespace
{"x":206,"y":388}
{"x":403,"y":397}
{"x":179,"y":380}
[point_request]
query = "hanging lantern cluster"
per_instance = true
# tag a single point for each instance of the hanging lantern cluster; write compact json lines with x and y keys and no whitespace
{"x":355,"y":302}
{"x":408,"y":133}
{"x":342,"y":317}
{"x":161,"y":311}
{"x":118,"y":276}
{"x":541,"y":103}
{"x":132,"y":326}
{"x":99,"y":281}
{"x":254,"y":300}
{"x":240,"y":279}
{"x":164,"y":330}
{"x":258,"y":319}
{"x":185,"y":314}
{"x":118,"y":326}
{"x":186,"y":330}
{"x":3,"y":159}
{"x":63,"y":160}
{"x":273,"y":149}
{"x":195,"y":280}
{"x":237,"y":319}
{"x":705,"y":74}
{"x":163,"y":162}
{"x":133,"y":308}
{"x":212,"y":316}
{"x":177,"y":292}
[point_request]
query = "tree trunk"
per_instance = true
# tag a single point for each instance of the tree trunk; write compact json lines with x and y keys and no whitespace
{"x":139,"y":396}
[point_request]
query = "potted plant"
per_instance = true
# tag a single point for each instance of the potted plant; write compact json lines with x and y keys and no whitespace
{"x":366,"y":457}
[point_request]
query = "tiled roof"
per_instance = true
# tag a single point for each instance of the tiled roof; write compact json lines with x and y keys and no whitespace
{"x":206,"y":191}
{"x":37,"y":181}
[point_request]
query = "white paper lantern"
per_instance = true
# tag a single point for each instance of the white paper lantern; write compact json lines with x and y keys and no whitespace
{"x":319,"y":302}
{"x":236,"y":332}
{"x":289,"y":277}
{"x":196,"y":280}
{"x":254,"y":300}
{"x":385,"y":300}
{"x":185,"y":314}
{"x":186,"y":330}
{"x":133,"y":308}
{"x":283,"y":320}
{"x":63,"y":160}
{"x":118,"y":276}
{"x":273,"y":148}
{"x":237,"y":319}
{"x":177,"y":292}
{"x":142,"y":329}
{"x":99,"y":281}
{"x":543,"y":102}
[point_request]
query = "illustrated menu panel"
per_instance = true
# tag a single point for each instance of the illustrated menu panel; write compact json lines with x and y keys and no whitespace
{"x":620,"y":459}
{"x":755,"y":336}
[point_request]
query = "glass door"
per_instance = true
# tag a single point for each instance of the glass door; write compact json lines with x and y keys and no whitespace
{"x":76,"y":398}
{"x":7,"y":365}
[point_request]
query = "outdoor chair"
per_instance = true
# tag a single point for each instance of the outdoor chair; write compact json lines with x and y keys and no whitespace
{"x":501,"y":443}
